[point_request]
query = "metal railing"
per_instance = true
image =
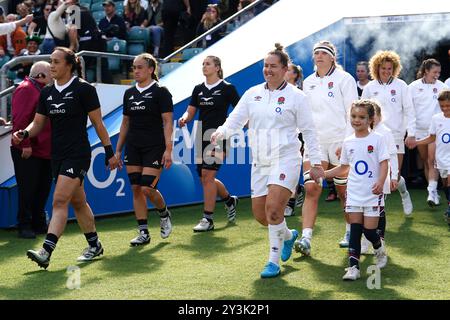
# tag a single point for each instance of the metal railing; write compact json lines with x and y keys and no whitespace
{"x":5,"y":91}
{"x":212,"y":30}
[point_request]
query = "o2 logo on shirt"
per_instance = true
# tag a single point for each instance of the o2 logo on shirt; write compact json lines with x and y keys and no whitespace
{"x":278,"y":110}
{"x":361,"y":168}
{"x":445,"y":138}
{"x":331,"y":94}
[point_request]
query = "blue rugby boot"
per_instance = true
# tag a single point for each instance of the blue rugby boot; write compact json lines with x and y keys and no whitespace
{"x":287,"y":246}
{"x":271,"y":270}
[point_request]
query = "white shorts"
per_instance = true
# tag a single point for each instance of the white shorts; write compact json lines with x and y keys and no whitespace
{"x":367,"y":211}
{"x":327,"y":153}
{"x":444,"y":173}
{"x":285,"y":173}
{"x":400,"y":144}
{"x":420,"y":134}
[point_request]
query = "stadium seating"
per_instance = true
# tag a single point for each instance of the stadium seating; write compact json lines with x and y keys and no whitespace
{"x":116,"y":46}
{"x":135,"y":48}
{"x":96,"y":7}
{"x":86,"y":3}
{"x":137,"y":39}
{"x":119,"y":5}
{"x":165,"y":68}
{"x":98,"y":15}
{"x":97,"y":1}
{"x":189,"y":53}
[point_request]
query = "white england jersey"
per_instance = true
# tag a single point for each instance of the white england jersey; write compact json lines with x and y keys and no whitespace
{"x":424,"y":97}
{"x":331,"y":98}
{"x":440,"y":126}
{"x":393,"y":159}
{"x":363,"y":155}
{"x":447,"y":82}
{"x":396,"y":105}
{"x":273,"y":119}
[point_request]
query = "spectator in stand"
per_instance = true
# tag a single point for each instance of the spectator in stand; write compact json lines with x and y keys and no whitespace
{"x":244,"y":17}
{"x":135,"y":15}
{"x":23,"y":10}
{"x":112,"y":25}
{"x":155,"y":25}
{"x":9,"y":27}
{"x":3,"y":122}
{"x":32,"y":49}
{"x":143,"y":3}
{"x":32,"y":156}
{"x":171,"y":13}
{"x":39,"y":24}
{"x":12,"y":43}
{"x":210,"y":19}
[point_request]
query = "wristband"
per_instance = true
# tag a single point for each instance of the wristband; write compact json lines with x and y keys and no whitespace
{"x":25,"y":134}
{"x":109,"y":153}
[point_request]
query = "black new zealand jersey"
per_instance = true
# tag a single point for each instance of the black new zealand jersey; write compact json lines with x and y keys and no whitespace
{"x":68,"y":112}
{"x":145,"y":109}
{"x":213,"y":104}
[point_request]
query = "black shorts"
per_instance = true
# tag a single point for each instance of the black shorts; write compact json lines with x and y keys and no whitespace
{"x":72,"y":168}
{"x":212,"y":158}
{"x":149,"y":157}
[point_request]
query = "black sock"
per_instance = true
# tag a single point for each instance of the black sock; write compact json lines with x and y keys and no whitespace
{"x":163,"y":212}
{"x":381,"y":228}
{"x":331,"y":186}
{"x":208,"y":216}
{"x":50,"y":242}
{"x":447,"y":193}
{"x":142,"y":225}
{"x":229,"y":200}
{"x":372,"y":236}
{"x":354,"y":247}
{"x":92,"y":238}
{"x":291,"y":203}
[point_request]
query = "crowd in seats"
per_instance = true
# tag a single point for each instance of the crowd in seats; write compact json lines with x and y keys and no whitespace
{"x":154,"y":26}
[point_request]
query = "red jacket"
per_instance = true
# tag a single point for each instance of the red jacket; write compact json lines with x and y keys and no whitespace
{"x":25,"y":100}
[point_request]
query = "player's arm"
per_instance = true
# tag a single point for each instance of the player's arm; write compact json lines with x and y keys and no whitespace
{"x":377,"y":188}
{"x":32,"y":129}
{"x":339,"y":171}
{"x":187,"y":116}
{"x":431,"y":138}
{"x":167,"y":118}
{"x":96,"y":118}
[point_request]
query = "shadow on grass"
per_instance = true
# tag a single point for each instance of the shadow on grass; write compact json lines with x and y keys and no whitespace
{"x":205,"y":245}
{"x":409,"y":241}
{"x":139,"y":259}
{"x":393,"y":275}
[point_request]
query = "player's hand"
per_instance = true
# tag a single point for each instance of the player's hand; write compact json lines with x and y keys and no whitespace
{"x":18,"y":136}
{"x":114,"y":163}
{"x":377,"y":188}
{"x":411,"y":142}
{"x":338,"y":152}
{"x":394,"y":185}
{"x":182,"y":122}
{"x":317,"y":174}
{"x":26,"y":152}
{"x":167,"y":159}
{"x":216,"y":137}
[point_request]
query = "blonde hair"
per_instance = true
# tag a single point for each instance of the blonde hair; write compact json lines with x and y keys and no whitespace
{"x":151,"y":62}
{"x":218,"y":63}
{"x":381,"y":57}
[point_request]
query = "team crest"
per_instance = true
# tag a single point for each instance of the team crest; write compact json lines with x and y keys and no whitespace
{"x":393,"y":92}
{"x":435,"y":90}
{"x":370,"y":149}
{"x":281,"y":100}
{"x":330,"y":85}
{"x":282,"y":176}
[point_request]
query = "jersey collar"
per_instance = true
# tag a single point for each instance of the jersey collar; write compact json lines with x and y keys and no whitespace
{"x":390,"y":80}
{"x":280,"y":87}
{"x":329,"y":72}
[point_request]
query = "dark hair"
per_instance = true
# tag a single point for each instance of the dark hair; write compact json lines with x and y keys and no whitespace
{"x":444,"y":95}
{"x":217,"y":63}
{"x":367,"y":104}
{"x":281,"y":54}
{"x":151,"y":62}
{"x":72,"y":60}
{"x":364,"y":64}
{"x":426,"y":66}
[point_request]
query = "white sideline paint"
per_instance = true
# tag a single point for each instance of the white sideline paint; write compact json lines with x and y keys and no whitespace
{"x":286,"y":22}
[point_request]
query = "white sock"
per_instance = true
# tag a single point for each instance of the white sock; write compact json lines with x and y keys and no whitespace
{"x":307,"y":233}
{"x":276,"y":238}
{"x":402,"y":185}
{"x":287,"y":232}
{"x":432,"y":185}
{"x":347,"y":227}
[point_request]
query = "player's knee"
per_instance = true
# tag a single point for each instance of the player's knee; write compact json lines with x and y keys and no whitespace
{"x":60,"y":201}
{"x":313,"y":191}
